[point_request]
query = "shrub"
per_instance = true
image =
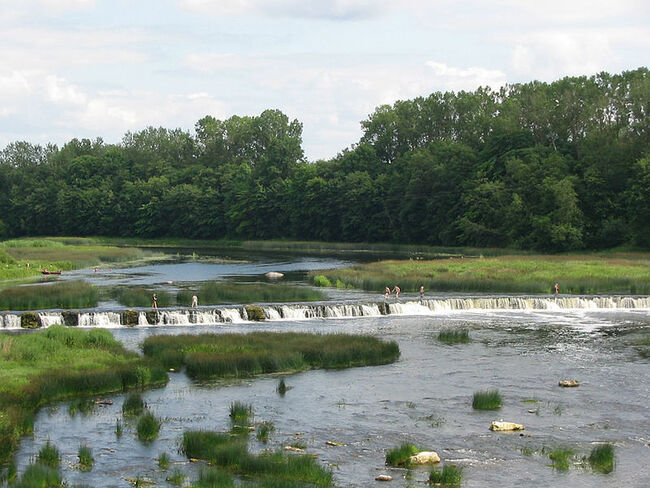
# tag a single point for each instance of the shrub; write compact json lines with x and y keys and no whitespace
{"x":449,"y":475}
{"x":49,"y":456}
{"x":601,"y":458}
{"x":399,"y":456}
{"x":321,"y":280}
{"x":486,"y":400}
{"x":86,"y":459}
{"x":148,"y":427}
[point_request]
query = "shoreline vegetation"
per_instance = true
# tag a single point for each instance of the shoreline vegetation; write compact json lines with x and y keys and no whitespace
{"x":576,"y":273}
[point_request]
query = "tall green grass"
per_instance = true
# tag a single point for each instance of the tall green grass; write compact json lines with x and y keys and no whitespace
{"x":486,"y":400}
{"x":584,"y":274}
{"x":454,"y":336}
{"x":60,"y":363}
{"x":399,"y":456}
{"x":49,"y":456}
{"x":148,"y":427}
{"x":240,"y":412}
{"x":86,"y":459}
{"x":39,"y":476}
{"x":216,"y":293}
{"x":133,"y":405}
{"x":449,"y":475}
{"x":241,"y":355}
{"x":140,"y":297}
{"x":560,"y":457}
{"x":601,"y":458}
{"x":70,"y":294}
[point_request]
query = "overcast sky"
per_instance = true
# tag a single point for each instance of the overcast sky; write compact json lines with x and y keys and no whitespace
{"x":89,"y":68}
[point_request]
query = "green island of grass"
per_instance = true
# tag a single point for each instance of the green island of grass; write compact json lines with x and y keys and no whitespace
{"x":584,"y":273}
{"x":242,"y":355}
{"x":59,"y":363}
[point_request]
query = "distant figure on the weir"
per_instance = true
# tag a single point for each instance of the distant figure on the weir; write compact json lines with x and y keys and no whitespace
{"x":154,"y":301}
{"x":421,"y":292}
{"x":386,"y":292}
{"x":557,"y":289}
{"x":195,"y":301}
{"x":397,"y":289}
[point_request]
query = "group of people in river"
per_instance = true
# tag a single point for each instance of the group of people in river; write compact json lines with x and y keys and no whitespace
{"x":397,"y":290}
{"x":154,"y":301}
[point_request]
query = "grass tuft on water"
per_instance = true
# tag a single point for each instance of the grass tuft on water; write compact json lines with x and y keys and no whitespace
{"x":177,"y":477}
{"x":240,"y":412}
{"x":119,"y":429}
{"x":163,"y":460}
{"x":282,"y":388}
{"x":133,"y":405}
{"x":86,"y":459}
{"x":454,"y":336}
{"x":49,"y":456}
{"x":214,"y":478}
{"x":148,"y":427}
{"x":140,"y":297}
{"x":39,"y":476}
{"x":449,"y":475}
{"x":486,"y":400}
{"x":70,"y":294}
{"x":601,"y":458}
{"x":215,"y":293}
{"x":263,"y":431}
{"x":244,"y":355}
{"x":560,"y":457}
{"x":399,"y":456}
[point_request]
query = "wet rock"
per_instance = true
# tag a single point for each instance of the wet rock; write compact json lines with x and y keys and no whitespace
{"x":384,"y":477}
{"x":425,"y":457}
{"x":274,"y":275}
{"x":255,"y":313}
{"x":70,"y":318}
{"x":130,"y":318}
{"x":332,"y":443}
{"x":569,"y":383}
{"x":30,"y":320}
{"x":501,"y":426}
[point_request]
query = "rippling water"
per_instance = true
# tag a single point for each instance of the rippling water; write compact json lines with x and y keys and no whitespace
{"x":424,"y":398}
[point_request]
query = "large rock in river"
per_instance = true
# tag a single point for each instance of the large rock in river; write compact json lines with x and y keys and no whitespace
{"x":501,"y":426}
{"x":425,"y":457}
{"x":274,"y":275}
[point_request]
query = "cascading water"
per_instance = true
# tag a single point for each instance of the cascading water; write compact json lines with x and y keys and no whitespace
{"x":433,"y":306}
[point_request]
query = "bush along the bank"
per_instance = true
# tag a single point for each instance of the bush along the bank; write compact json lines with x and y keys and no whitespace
{"x":241,"y":355}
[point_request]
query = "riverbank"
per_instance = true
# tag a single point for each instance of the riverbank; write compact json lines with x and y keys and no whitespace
{"x":627,"y":273}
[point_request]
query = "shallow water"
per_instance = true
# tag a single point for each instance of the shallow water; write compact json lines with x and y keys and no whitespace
{"x":424,"y":398}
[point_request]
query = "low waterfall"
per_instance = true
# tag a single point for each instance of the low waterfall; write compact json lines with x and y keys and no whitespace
{"x":301,"y":311}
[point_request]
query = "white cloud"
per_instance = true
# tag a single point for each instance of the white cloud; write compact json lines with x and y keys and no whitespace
{"x":451,"y":78}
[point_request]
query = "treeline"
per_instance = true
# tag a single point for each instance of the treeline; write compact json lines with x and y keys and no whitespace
{"x":550,"y":167}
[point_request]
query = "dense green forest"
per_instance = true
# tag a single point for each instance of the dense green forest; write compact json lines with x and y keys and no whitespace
{"x":546,"y":166}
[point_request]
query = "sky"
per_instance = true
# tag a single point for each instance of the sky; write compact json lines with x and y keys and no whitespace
{"x":99,"y":68}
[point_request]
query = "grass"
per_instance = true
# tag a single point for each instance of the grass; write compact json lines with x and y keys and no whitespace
{"x":232,"y":454}
{"x":215,"y":293}
{"x":148,"y":427}
{"x":83,"y":406}
{"x":177,"y":477}
{"x":140,"y":297}
{"x":86,"y":459}
{"x":244,"y":355}
{"x":454,"y":336}
{"x":576,"y":273}
{"x":449,"y":475}
{"x":601,"y":458}
{"x":39,"y":476}
{"x":240,"y":412}
{"x":163,"y":460}
{"x":133,"y":405}
{"x":560,"y":457}
{"x":59,"y":363}
{"x":486,"y":400}
{"x":70,"y":294}
{"x":49,"y":456}
{"x":119,"y":429}
{"x":214,"y":478}
{"x":399,"y":456}
{"x":263,"y":431}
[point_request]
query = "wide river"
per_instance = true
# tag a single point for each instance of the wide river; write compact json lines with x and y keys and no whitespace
{"x":424,"y":398}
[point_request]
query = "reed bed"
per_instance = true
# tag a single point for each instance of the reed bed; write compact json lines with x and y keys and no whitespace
{"x":232,"y":454}
{"x":399,"y":456}
{"x":148,"y":427}
{"x":72,"y":294}
{"x":39,"y":476}
{"x":86,"y":459}
{"x":583,"y":274}
{"x":454,"y":336}
{"x":140,"y":297}
{"x":133,"y":405}
{"x":60,"y":363}
{"x":49,"y":456}
{"x":449,"y":475}
{"x":215,"y":293}
{"x":486,"y":400}
{"x":243,"y":355}
{"x":601,"y":458}
{"x":241,"y":412}
{"x":263,"y":430}
{"x":214,"y":478}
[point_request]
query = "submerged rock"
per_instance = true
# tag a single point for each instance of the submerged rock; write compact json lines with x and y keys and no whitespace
{"x":293,"y":449}
{"x":500,"y":425}
{"x":333,"y":443}
{"x":425,"y":457}
{"x":274,"y":275}
{"x":569,"y":383}
{"x":384,"y":477}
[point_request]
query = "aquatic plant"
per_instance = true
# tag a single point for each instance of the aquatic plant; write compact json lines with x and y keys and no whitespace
{"x":214,"y":478}
{"x":282,"y":387}
{"x":86,"y":459}
{"x":68,"y":294}
{"x":560,"y":457}
{"x":81,"y":405}
{"x":399,"y":456}
{"x":163,"y":460}
{"x":139,"y":296}
{"x":321,"y":280}
{"x":263,"y":430}
{"x":148,"y":427}
{"x":39,"y":476}
{"x":49,"y":456}
{"x":454,"y":336}
{"x":241,"y":355}
{"x":177,"y":477}
{"x":486,"y":400}
{"x":133,"y":405}
{"x":215,"y":293}
{"x":119,"y":429}
{"x":449,"y":475}
{"x":601,"y":458}
{"x":240,"y":412}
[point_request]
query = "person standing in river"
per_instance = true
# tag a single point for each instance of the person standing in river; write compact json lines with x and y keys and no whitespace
{"x":422,"y":293}
{"x":195,"y":301}
{"x":397,"y":289}
{"x":386,"y":292}
{"x":557,"y":289}
{"x":154,"y":301}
